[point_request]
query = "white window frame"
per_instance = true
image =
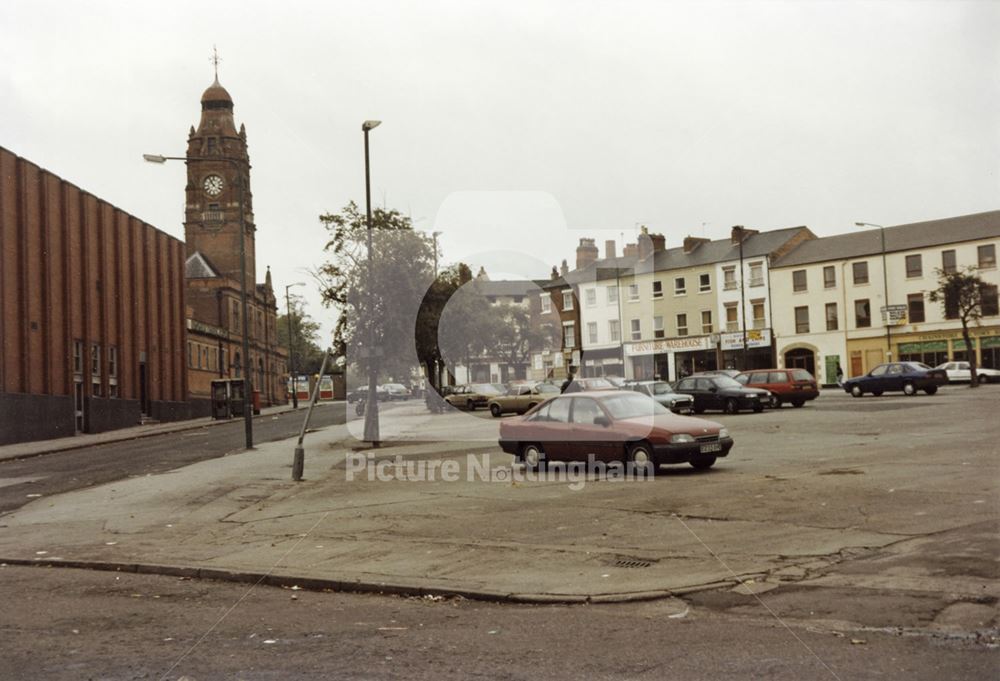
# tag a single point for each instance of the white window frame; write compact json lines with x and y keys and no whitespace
{"x":633,"y":293}
{"x":682,"y":330}
{"x":682,"y":289}
{"x":635,"y":329}
{"x":706,"y":328}
{"x":757,"y":273}
{"x":729,"y":282}
{"x":613,"y":294}
{"x":590,"y":297}
{"x":592,"y":332}
{"x":546,"y":303}
{"x":569,"y":335}
{"x":567,"y":300}
{"x":702,"y":286}
{"x":658,"y":330}
{"x":615,"y":330}
{"x":657,"y":289}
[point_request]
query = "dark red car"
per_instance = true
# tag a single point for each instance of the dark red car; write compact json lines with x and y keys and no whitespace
{"x":612,"y":426}
{"x":787,"y":386}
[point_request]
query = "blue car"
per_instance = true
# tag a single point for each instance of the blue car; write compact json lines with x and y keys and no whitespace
{"x":908,"y":377}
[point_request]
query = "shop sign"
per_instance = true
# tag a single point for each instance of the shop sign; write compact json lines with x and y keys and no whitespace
{"x":928,"y":346}
{"x":756,"y":338}
{"x":894,"y":315}
{"x":669,"y":345}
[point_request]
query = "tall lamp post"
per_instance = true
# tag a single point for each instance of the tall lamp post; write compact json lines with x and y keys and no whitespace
{"x":371,"y":404}
{"x":743,"y":299}
{"x":291,"y":352}
{"x":248,"y":368}
{"x":885,"y":290}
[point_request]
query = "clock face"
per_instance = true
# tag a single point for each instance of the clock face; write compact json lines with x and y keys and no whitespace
{"x":213,"y":185}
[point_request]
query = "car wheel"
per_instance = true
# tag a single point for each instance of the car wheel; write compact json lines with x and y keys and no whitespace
{"x":495,"y":410}
{"x":856,"y":391}
{"x":909,"y":389}
{"x":984,"y":379}
{"x":640,"y":454}
{"x":532,"y":457}
{"x":931,"y":389}
{"x":703,"y":462}
{"x":797,"y":403}
{"x":732,"y":406}
{"x":774,"y":402}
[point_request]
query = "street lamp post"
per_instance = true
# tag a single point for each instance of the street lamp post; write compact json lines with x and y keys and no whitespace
{"x":248,"y":367}
{"x":291,"y":352}
{"x":371,"y":433}
{"x":885,"y":290}
{"x":743,"y":300}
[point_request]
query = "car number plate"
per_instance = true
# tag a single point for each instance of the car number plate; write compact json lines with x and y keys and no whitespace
{"x":711,"y":447}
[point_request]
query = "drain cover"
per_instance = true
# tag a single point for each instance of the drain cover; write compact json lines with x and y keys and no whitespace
{"x":632,"y":563}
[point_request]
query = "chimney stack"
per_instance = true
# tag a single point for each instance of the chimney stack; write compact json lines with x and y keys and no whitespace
{"x":586,"y":253}
{"x":650,"y":243}
{"x":564,"y":268}
{"x":693,"y":242}
{"x":609,"y":249}
{"x":740,"y":233}
{"x":555,"y":273}
{"x":630,"y":251}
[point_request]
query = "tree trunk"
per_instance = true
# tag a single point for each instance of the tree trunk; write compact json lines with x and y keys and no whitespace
{"x":971,"y":351}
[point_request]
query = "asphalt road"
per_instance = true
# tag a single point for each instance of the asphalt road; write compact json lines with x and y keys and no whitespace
{"x":103,"y":625}
{"x":60,"y":472}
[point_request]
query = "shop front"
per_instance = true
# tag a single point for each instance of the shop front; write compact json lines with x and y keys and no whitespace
{"x":670,"y":358}
{"x":602,"y":362}
{"x":937,"y":347}
{"x":759,"y":350}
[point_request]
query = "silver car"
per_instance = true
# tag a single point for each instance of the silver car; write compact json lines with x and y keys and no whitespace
{"x":663,"y":392}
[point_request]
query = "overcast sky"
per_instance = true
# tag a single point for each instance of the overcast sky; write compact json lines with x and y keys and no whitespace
{"x":521,"y":126}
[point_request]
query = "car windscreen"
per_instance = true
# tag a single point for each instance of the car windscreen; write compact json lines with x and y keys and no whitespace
{"x":725,"y":382}
{"x":918,"y":365}
{"x":632,"y":405}
{"x":597,"y":384}
{"x":801,"y":375}
{"x":662,"y":388}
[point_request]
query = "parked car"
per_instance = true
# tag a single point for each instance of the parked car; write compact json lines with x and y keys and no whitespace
{"x":731,"y":373}
{"x":909,"y":377}
{"x":612,"y":426}
{"x":395,"y":391}
{"x":616,"y":381}
{"x":595,"y":384}
{"x":361,"y":393}
{"x":663,"y":392}
{"x":958,"y":372}
{"x":721,"y":392}
{"x":786,"y":386}
{"x":472,"y":396}
{"x":520,"y":397}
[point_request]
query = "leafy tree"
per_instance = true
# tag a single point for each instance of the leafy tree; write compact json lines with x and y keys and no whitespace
{"x":429,"y":318}
{"x":383,"y":303}
{"x":305,"y":354}
{"x":961,"y":295}
{"x":514,"y":336}
{"x":467,"y":325}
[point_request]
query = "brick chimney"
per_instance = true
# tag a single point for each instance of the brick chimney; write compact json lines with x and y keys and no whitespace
{"x":650,"y":243}
{"x":738,"y":230}
{"x":564,"y":268}
{"x":630,"y":250}
{"x":609,"y":249}
{"x":693,"y":242}
{"x":555,"y":273}
{"x":586,"y":253}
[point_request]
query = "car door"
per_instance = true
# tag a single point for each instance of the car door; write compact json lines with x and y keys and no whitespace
{"x":712,"y":397}
{"x":587,"y":436}
{"x":557,"y":430}
{"x":962,"y":371}
{"x":688,"y":386}
{"x":894,"y":377}
{"x":876,"y":380}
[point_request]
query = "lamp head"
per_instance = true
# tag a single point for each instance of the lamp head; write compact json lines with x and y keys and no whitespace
{"x":368,"y":125}
{"x":154,"y":158}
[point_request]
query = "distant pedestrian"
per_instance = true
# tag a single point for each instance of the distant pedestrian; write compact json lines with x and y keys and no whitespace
{"x":570,"y":385}
{"x":840,"y":375}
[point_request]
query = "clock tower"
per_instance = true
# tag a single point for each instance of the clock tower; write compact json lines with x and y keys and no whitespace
{"x":218,"y":223}
{"x":218,"y":165}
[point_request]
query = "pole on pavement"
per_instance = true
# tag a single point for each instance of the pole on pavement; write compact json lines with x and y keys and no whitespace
{"x":299,"y":459}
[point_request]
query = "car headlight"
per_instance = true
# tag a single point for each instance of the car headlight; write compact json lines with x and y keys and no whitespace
{"x":681,"y":438}
{"x":673,"y":403}
{"x":723,"y":432}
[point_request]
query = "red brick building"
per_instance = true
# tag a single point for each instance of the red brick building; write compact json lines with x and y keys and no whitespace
{"x":91,"y":311}
{"x":217,"y":165}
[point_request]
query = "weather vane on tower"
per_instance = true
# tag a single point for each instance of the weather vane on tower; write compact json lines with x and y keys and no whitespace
{"x":215,"y":59}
